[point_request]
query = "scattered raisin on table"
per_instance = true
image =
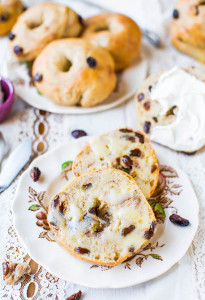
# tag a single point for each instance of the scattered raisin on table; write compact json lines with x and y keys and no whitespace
{"x":78,"y":133}
{"x":35,"y":174}
{"x":178,"y":220}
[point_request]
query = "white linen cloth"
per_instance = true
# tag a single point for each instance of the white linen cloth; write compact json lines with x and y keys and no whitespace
{"x":186,"y":279}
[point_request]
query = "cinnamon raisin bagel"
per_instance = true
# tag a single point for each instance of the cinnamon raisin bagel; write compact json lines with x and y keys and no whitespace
{"x":9,"y":12}
{"x":73,"y":71}
{"x":118,"y":34}
{"x":188,"y":28}
{"x":102,"y":217}
{"x":122,"y":149}
{"x":41,"y":24}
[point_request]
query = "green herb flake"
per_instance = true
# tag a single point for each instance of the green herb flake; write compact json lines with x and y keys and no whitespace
{"x":39,"y":93}
{"x":29,"y":64}
{"x":158,"y":208}
{"x":34,"y":207}
{"x":155,"y":256}
{"x":125,"y":170}
{"x":67,"y":165}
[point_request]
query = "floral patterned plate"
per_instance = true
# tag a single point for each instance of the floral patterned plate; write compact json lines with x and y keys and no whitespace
{"x":174,"y":194}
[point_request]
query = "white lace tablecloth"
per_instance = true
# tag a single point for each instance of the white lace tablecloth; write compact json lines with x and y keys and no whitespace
{"x":186,"y":280}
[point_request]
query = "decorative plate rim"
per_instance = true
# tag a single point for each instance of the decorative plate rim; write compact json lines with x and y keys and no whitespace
{"x":151,"y":276}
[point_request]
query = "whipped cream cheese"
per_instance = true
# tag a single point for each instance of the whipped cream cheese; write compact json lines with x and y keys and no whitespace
{"x":187,"y":131}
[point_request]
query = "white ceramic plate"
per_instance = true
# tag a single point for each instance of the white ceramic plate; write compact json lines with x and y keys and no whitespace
{"x":128,"y":82}
{"x":57,"y":261}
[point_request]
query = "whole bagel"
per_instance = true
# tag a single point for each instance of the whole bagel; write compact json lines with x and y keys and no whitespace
{"x":118,"y":34}
{"x":41,"y":24}
{"x":188,"y":28}
{"x":73,"y":71}
{"x":9,"y":12}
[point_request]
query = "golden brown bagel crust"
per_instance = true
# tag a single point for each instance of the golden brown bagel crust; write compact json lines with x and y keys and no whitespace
{"x":84,"y":215}
{"x":41,"y":24}
{"x":9,"y":12}
{"x":74,"y":72}
{"x":125,"y":150}
{"x":188,"y":28}
{"x":117,"y":33}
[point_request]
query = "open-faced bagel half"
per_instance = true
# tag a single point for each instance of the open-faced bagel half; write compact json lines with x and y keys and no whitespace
{"x":102,"y":217}
{"x":122,"y":149}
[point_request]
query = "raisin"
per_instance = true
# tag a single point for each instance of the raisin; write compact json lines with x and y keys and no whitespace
{"x":127,"y":161}
{"x":176,"y":219}
{"x":155,"y":119}
{"x":196,"y":10}
{"x":135,"y":152}
{"x":175,"y":14}
{"x":118,"y":160}
{"x":11,"y":36}
{"x":125,"y":130}
{"x":129,"y":138}
{"x":78,"y":133}
{"x":127,"y":230}
{"x":55,"y":201}
{"x":147,"y":126}
{"x":80,"y":19}
{"x":35,"y":174}
{"x":131,"y":249}
{"x":140,"y":137}
{"x":5,"y":267}
{"x":4,"y":17}
{"x":38,"y":77}
{"x":140,"y":97}
{"x":92,"y":63}
{"x":148,"y":234}
{"x":150,"y":88}
{"x":18,"y":50}
{"x":87,"y":186}
{"x":147,"y":105}
{"x":76,"y":296}
{"x":154,"y":168}
{"x":62,"y":208}
{"x":82,"y":250}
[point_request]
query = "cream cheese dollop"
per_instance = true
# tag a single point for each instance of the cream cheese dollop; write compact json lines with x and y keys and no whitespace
{"x":187,"y":131}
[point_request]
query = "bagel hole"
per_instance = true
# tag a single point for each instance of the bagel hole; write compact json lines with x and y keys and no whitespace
{"x":102,"y":28}
{"x":64,"y":64}
{"x":33,"y":25}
